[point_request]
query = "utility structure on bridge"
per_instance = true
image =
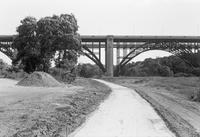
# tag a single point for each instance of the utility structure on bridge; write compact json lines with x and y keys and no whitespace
{"x":127,"y":47}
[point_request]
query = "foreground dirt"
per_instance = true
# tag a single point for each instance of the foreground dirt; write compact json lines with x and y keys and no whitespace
{"x":47,"y":112}
{"x":171,"y":98}
{"x":124,"y":114}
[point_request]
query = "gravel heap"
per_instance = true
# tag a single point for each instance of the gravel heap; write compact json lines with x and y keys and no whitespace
{"x":39,"y":79}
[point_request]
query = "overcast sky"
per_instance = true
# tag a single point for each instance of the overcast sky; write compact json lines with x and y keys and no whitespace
{"x":110,"y":17}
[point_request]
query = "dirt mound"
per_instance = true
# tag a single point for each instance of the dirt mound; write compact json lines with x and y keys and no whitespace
{"x":39,"y":79}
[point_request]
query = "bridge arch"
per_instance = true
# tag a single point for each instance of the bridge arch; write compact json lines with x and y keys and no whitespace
{"x":94,"y":58}
{"x":155,"y":53}
{"x":7,"y":49}
{"x":5,"y":58}
{"x":175,"y":49}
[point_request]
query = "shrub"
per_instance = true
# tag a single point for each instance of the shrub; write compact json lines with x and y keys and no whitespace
{"x":89,"y":70}
{"x":63,"y":75}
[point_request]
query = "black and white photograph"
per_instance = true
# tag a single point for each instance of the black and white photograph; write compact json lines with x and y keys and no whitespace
{"x":99,"y":68}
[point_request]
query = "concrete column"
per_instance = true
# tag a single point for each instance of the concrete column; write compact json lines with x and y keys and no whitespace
{"x":109,"y":56}
{"x":118,"y":53}
{"x":106,"y":56}
{"x":100,"y":51}
{"x":125,"y":50}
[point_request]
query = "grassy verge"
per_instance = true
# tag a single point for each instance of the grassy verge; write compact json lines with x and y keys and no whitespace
{"x":170,"y":97}
{"x":71,"y":114}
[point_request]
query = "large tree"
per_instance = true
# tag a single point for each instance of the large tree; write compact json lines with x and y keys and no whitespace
{"x":51,"y":38}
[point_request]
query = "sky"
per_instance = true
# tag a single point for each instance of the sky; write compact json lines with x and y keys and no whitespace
{"x":111,"y":17}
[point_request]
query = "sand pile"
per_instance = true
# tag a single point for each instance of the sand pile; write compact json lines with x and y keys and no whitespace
{"x":39,"y":79}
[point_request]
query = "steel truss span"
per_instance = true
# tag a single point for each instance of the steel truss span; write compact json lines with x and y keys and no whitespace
{"x":127,"y":47}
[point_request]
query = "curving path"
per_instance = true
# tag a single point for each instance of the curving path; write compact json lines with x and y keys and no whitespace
{"x":123,"y":114}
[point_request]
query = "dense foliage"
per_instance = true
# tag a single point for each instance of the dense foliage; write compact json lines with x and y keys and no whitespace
{"x":191,"y":58}
{"x":89,"y":70}
{"x":65,"y":73}
{"x":50,"y":39}
{"x":3,"y":67}
{"x":185,"y":65}
{"x":12,"y":72}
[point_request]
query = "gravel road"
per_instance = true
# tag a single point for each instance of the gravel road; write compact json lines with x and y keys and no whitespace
{"x":123,"y":114}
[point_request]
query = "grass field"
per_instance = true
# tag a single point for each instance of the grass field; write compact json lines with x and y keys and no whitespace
{"x":47,"y":112}
{"x":171,"y":98}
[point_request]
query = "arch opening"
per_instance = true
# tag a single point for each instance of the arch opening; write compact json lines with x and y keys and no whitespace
{"x":5,"y":58}
{"x":91,"y":55}
{"x":151,"y":54}
{"x":140,"y":56}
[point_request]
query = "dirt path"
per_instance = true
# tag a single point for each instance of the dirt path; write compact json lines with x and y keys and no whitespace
{"x":124,"y":114}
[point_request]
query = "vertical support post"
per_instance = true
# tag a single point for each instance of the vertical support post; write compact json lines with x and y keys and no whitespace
{"x":196,"y":47}
{"x":118,"y":53}
{"x":125,"y":50}
{"x":106,"y":55}
{"x":109,"y":56}
{"x":93,"y":47}
{"x":100,"y":51}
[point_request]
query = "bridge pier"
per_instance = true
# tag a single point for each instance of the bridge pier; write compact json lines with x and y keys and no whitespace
{"x":118,"y":54}
{"x":125,"y":50}
{"x":109,"y":56}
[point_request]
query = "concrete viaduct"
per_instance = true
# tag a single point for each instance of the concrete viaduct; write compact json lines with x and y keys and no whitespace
{"x":127,"y":47}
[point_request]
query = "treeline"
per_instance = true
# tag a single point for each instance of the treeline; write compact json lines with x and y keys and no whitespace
{"x":185,"y":65}
{"x":63,"y":73}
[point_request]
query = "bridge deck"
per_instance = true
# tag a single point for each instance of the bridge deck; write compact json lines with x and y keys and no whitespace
{"x":128,"y":38}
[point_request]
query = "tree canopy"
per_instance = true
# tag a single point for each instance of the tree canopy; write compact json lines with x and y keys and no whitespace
{"x":185,"y":65}
{"x":48,"y":39}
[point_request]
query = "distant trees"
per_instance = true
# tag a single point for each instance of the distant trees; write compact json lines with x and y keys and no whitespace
{"x":186,"y":65}
{"x":149,"y":67}
{"x":192,"y":58}
{"x":89,"y":70}
{"x":49,"y":39}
